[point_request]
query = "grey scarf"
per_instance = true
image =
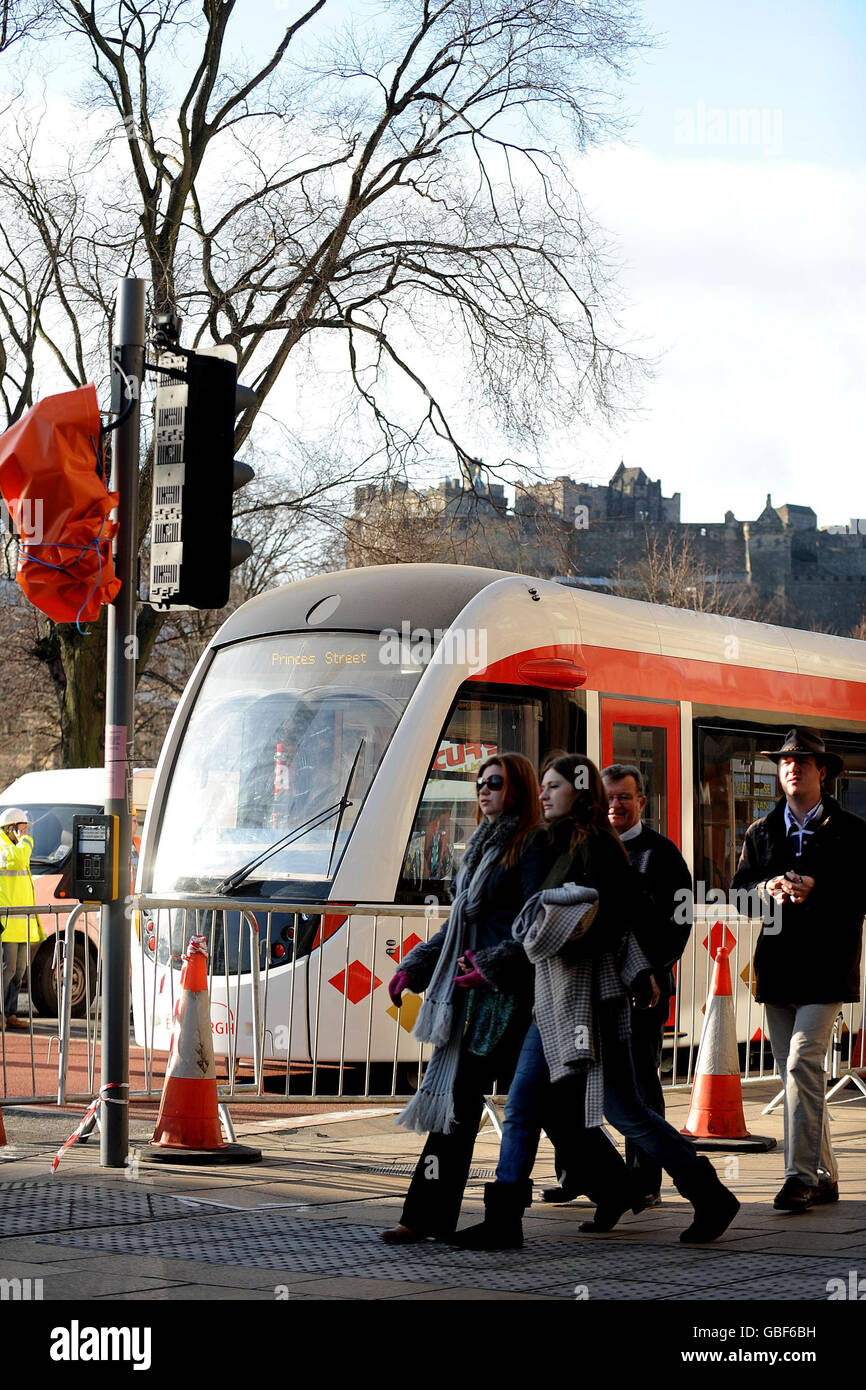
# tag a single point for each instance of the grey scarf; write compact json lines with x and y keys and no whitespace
{"x":440,"y":1020}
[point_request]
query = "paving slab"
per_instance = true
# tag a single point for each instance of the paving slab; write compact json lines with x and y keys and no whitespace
{"x":307,"y":1220}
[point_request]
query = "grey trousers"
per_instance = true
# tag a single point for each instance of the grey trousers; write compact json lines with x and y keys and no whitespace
{"x":800,"y":1035}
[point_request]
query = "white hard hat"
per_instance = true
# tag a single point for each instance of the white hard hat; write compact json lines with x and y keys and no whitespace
{"x":14,"y":816}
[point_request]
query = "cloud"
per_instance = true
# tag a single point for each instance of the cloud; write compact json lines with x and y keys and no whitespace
{"x":749,"y":278}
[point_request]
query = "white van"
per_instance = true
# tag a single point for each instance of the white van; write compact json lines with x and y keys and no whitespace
{"x":51,"y":799}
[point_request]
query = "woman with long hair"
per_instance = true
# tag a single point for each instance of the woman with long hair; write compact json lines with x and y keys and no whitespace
{"x":575,"y":1065}
{"x":478,"y":985}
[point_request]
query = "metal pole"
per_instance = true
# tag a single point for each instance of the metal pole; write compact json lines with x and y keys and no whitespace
{"x":119,"y":727}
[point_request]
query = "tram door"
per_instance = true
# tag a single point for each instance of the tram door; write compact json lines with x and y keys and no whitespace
{"x":647,"y":736}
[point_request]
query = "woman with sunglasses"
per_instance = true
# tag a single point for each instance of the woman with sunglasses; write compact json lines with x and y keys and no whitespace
{"x":478,"y":985}
{"x":566,"y":1094}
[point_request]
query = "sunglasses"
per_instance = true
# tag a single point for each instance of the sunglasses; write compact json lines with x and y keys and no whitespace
{"x":494,"y":782}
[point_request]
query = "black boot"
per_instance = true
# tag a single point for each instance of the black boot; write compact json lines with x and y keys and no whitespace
{"x":715,"y":1207}
{"x":617,"y":1200}
{"x":560,"y":1194}
{"x":502,"y":1227}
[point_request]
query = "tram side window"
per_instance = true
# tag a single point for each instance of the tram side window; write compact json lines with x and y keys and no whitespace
{"x":736,"y":786}
{"x":479,"y":728}
{"x":645,"y":747}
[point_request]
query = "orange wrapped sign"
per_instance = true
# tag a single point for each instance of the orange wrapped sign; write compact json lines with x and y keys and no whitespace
{"x":60,"y":506}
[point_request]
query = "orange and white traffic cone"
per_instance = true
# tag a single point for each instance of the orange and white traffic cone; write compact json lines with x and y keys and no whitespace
{"x":188,"y":1125}
{"x":716,"y":1119}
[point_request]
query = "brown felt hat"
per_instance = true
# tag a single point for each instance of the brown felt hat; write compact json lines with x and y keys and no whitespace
{"x":806,"y":743}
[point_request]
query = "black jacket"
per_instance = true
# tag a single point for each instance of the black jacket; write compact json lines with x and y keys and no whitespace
{"x":599,"y":862}
{"x":663,"y":873}
{"x":814,"y":958}
{"x":498,"y":956}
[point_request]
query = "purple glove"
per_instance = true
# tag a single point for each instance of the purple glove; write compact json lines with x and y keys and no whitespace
{"x":396,"y":985}
{"x":473,"y":978}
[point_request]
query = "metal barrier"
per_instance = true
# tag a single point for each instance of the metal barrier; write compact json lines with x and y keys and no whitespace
{"x":314,"y":1022}
{"x":301,"y":1008}
{"x":318,"y":1020}
{"x":68,"y":968}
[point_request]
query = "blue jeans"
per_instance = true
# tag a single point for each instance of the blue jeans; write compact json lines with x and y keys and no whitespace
{"x":533,"y":1104}
{"x":629,"y":1114}
{"x":591,"y":1162}
{"x":527,"y":1095}
{"x":647,"y":1037}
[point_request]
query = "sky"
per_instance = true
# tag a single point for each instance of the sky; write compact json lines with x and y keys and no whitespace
{"x":739,"y":207}
{"x":735,"y":207}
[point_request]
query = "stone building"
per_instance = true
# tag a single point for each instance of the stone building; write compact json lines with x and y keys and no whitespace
{"x":595,"y":535}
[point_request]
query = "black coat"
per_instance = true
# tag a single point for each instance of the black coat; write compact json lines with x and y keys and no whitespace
{"x":498,"y":956}
{"x":599,"y":862}
{"x":815,"y":957}
{"x":663,"y":873}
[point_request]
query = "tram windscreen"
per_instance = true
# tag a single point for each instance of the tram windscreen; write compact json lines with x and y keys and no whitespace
{"x":284,"y":731}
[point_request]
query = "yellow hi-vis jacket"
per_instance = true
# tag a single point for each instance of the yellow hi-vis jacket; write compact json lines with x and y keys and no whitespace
{"x":17,"y":890}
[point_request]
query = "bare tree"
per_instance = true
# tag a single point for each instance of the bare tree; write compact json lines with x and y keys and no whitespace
{"x":29,"y":736}
{"x":22,"y":19}
{"x":672,"y":573}
{"x":405,"y":187}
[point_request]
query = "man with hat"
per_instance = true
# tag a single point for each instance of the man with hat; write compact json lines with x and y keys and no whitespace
{"x":804,"y":855}
{"x":16,"y":890}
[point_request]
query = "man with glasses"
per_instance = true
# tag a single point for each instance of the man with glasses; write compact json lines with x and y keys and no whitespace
{"x":664,"y":876}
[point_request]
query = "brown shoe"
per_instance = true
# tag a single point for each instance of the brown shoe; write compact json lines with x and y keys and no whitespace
{"x":827,"y":1191}
{"x":401,"y":1235}
{"x":17,"y":1025}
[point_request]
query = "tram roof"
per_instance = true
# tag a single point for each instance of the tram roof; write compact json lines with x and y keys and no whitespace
{"x":432,"y":596}
{"x":368,"y":599}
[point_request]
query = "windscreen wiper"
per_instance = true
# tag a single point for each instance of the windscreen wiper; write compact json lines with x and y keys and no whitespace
{"x":343,"y":800}
{"x":235,"y":880}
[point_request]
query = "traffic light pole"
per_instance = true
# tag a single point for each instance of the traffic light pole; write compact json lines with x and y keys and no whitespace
{"x":119,"y":727}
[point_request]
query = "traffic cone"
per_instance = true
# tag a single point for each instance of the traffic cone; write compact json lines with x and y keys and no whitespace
{"x":188,"y":1126}
{"x":3,"y":1140}
{"x":716,"y":1119}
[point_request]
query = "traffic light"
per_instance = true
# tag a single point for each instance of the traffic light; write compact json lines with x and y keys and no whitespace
{"x":192,"y":549}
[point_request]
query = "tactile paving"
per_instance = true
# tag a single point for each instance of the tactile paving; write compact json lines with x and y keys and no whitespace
{"x":130,"y":1221}
{"x":37,"y":1207}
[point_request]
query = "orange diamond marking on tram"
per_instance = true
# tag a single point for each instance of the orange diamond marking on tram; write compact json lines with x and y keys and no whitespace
{"x":719,"y":936}
{"x":360,"y":982}
{"x":409,"y":1012}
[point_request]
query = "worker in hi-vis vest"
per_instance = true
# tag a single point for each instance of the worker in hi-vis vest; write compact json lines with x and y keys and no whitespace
{"x":16,"y":890}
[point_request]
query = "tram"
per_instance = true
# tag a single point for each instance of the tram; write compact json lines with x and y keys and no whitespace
{"x":325,"y":751}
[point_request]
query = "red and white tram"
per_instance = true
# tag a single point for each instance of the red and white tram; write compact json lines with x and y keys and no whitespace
{"x":326,"y":746}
